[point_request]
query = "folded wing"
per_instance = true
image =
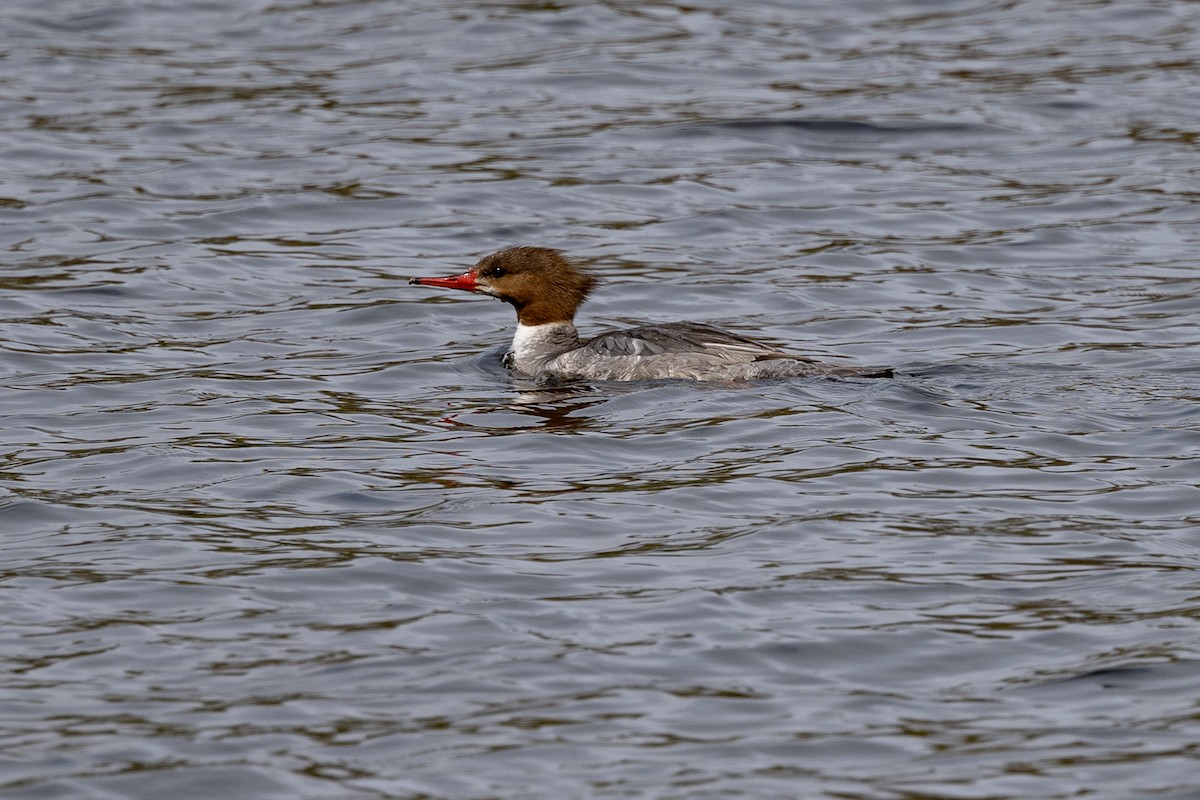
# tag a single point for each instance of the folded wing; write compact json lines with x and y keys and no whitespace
{"x":684,"y":337}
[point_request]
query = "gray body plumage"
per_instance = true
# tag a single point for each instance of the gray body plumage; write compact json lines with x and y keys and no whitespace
{"x":686,"y":350}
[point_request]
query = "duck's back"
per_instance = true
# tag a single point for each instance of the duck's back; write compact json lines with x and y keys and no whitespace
{"x":687,"y":350}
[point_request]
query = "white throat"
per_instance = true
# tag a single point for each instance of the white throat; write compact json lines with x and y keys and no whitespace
{"x":535,"y":345}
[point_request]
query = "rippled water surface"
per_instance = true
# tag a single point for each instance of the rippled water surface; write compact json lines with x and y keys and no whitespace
{"x":278,"y":525}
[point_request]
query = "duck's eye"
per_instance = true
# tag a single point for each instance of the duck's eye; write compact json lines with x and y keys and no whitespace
{"x":495,"y":271}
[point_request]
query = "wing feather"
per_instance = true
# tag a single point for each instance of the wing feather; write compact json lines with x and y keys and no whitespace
{"x":684,"y":337}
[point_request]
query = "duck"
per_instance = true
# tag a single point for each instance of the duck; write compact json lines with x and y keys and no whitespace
{"x":546,"y":289}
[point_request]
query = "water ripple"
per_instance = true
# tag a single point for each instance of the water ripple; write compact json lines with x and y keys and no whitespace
{"x":277,"y":524}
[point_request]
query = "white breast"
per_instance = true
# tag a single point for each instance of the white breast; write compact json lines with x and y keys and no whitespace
{"x":534,"y":345}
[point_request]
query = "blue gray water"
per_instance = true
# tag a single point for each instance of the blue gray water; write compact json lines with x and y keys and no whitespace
{"x":276,"y":525}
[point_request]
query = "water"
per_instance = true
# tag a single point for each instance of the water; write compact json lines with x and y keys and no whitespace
{"x":277,"y":525}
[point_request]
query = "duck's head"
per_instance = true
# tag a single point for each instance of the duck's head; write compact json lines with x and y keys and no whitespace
{"x":540,"y":283}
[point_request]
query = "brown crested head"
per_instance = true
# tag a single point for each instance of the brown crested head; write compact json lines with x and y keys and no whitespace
{"x":540,"y":283}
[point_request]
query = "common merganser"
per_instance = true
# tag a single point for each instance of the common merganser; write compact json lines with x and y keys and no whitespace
{"x":545,"y":288}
